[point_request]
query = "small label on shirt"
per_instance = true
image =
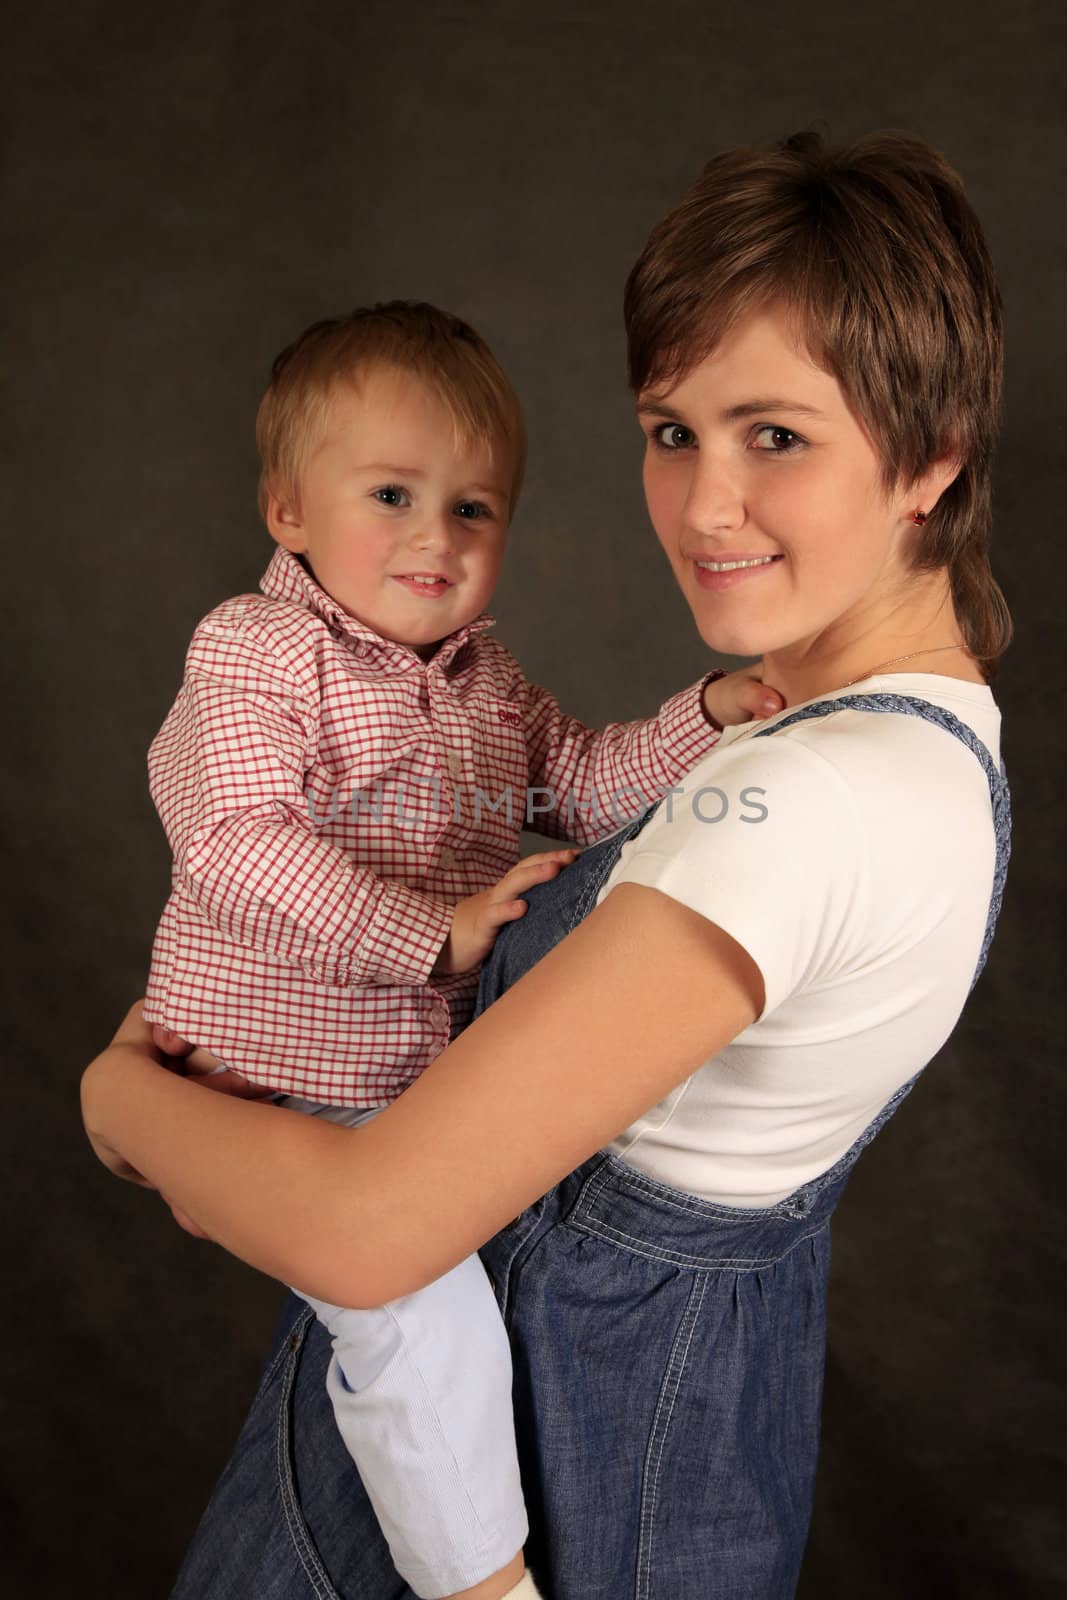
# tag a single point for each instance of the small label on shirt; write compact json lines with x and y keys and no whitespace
{"x":510,"y":719}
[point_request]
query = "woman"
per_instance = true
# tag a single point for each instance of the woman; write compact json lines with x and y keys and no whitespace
{"x":652,"y":1126}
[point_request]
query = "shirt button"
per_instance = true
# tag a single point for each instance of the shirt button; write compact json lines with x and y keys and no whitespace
{"x":455,"y":765}
{"x":447,"y":857}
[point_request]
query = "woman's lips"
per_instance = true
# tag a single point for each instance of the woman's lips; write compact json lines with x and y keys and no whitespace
{"x":419,"y":585}
{"x":718,"y":581}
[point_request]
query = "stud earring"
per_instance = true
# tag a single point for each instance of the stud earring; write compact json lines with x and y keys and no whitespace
{"x":919,"y":517}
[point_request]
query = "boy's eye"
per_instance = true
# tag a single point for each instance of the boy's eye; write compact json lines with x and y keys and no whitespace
{"x":391,"y":494}
{"x":779,"y":441}
{"x":472,"y":510}
{"x":673,"y":436}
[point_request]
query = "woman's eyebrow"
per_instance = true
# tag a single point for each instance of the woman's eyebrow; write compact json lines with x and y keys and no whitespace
{"x":650,"y":406}
{"x":751,"y":408}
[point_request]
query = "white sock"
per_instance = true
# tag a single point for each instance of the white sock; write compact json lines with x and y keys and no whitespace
{"x":526,"y":1589}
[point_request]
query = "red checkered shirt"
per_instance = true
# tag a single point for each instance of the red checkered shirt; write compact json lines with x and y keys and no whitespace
{"x":328,"y":797}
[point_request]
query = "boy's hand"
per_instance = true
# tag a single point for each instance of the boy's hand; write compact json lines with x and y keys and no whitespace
{"x":476,"y":920}
{"x":739,"y":697}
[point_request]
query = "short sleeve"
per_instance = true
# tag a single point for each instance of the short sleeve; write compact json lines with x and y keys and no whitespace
{"x":764,"y":840}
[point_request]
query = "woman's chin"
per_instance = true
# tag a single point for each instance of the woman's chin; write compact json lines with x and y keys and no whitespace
{"x":734,"y":641}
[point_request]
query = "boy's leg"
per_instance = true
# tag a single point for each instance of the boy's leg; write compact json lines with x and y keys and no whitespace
{"x":421,"y":1389}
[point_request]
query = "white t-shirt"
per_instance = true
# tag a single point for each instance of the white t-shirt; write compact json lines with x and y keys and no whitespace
{"x":859,"y":884}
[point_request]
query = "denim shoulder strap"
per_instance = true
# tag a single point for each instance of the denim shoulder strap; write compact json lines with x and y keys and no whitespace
{"x":999,"y":794}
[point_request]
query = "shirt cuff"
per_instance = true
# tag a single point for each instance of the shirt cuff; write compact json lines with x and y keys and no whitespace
{"x":404,"y":939}
{"x":687,"y":732}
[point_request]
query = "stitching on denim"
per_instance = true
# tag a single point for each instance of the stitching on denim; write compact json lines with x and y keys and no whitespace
{"x":283,"y":1350}
{"x":701,"y":1264}
{"x":590,"y":889}
{"x":298,"y":1529}
{"x":657,"y":1445}
{"x":714,"y":1210}
{"x":516,"y":1259}
{"x":589,"y":1193}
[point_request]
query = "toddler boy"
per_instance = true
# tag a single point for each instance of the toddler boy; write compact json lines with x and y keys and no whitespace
{"x":343,"y":779}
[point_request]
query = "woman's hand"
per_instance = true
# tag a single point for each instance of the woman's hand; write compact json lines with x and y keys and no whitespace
{"x":147,"y":1043}
{"x":203,"y":1068}
{"x":133,"y":1041}
{"x":607,"y":1023}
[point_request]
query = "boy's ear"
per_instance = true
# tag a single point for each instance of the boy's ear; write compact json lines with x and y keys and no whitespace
{"x":285,"y":526}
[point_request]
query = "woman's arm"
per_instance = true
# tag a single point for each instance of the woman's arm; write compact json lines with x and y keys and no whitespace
{"x":619,"y":1013}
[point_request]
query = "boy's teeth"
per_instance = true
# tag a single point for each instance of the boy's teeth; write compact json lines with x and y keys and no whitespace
{"x":731,"y":566}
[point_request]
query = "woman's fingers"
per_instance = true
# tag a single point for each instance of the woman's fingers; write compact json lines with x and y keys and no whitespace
{"x":231,"y":1083}
{"x":185,"y":1222}
{"x":171,"y":1043}
{"x":209,"y":1072}
{"x":134,"y":1031}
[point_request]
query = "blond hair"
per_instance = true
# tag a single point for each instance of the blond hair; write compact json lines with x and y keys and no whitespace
{"x":437,"y":348}
{"x":878,"y":254}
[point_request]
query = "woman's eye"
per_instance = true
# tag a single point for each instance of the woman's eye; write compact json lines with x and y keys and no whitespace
{"x":673,"y":436}
{"x":391,"y":495}
{"x":472,"y":510}
{"x":778,"y":441}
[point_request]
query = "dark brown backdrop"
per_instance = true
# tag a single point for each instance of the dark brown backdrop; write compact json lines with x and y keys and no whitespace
{"x":185,"y":189}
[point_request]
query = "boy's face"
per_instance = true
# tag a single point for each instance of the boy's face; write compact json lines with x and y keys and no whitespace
{"x":402,"y":527}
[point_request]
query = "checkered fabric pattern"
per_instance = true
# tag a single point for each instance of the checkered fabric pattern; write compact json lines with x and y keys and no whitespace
{"x":328,"y":797}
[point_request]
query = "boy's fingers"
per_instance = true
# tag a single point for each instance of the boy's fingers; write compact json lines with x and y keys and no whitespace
{"x":517,"y":882}
{"x":532,"y":868}
{"x":505,"y":911}
{"x":759,"y":698}
{"x":561,"y":857}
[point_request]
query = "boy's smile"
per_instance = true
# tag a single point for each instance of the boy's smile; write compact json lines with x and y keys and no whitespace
{"x":403,"y":525}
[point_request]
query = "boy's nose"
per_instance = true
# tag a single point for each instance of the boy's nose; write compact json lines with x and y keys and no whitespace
{"x":434,"y":533}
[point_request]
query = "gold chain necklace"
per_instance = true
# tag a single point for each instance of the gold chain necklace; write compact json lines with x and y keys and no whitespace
{"x":895,"y":661}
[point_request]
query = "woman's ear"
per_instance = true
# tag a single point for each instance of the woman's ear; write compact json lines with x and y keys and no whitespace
{"x":931,"y":484}
{"x":285,"y":526}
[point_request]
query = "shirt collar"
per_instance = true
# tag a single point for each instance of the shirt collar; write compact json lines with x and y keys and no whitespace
{"x":287,"y":578}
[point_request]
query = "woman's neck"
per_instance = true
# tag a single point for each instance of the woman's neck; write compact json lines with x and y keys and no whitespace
{"x":921,"y":634}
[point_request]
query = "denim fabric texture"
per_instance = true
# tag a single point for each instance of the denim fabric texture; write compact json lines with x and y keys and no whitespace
{"x":668,"y":1359}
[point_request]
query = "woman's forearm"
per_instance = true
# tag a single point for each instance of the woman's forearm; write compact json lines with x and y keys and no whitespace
{"x":255,"y":1177}
{"x":617,"y":1015}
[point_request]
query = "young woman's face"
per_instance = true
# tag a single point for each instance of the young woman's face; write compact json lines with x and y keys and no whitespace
{"x":765,"y":491}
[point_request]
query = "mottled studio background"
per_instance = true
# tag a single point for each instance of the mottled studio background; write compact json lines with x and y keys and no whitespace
{"x":185,"y":188}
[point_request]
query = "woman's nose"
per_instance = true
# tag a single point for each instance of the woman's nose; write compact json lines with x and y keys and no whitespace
{"x":715,"y":500}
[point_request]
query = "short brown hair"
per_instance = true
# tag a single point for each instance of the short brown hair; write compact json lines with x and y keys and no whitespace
{"x":878,"y":254}
{"x":411,"y":335}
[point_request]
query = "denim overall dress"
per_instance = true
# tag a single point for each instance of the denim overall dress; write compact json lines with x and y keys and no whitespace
{"x":668,"y":1361}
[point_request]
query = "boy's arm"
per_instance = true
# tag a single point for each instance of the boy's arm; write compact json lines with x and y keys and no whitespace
{"x":226,"y":773}
{"x":594,"y":779}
